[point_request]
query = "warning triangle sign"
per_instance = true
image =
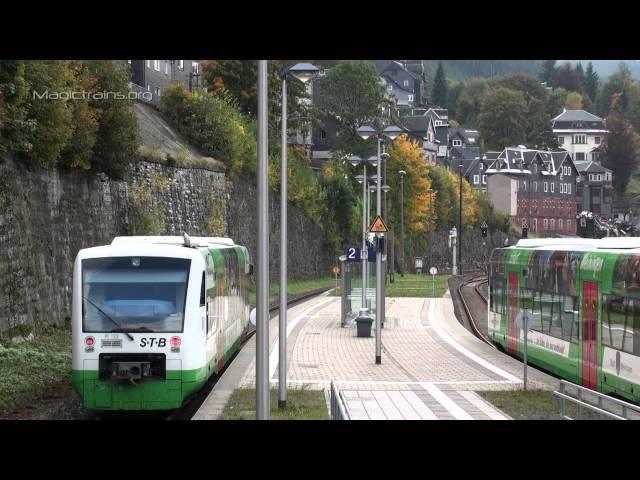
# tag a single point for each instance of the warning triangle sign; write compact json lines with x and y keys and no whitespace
{"x":378,"y":226}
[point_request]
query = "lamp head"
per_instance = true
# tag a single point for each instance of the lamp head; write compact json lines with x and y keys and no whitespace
{"x":392,"y":132}
{"x":365,"y":131}
{"x":402,"y":173}
{"x":355,"y":160}
{"x":304,"y":71}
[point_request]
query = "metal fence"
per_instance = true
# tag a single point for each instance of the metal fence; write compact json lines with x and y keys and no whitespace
{"x":339,"y":407}
{"x":584,"y":398}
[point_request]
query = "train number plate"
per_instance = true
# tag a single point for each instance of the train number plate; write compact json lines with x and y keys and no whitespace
{"x":153,"y":342}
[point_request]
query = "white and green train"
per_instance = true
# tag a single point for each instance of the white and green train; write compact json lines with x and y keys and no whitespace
{"x":154,"y":317}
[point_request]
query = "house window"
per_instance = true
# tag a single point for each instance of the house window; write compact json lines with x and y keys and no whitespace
{"x":457,"y":142}
{"x":568,"y":225}
{"x":166,"y":67}
{"x":535,"y":186}
{"x":481,"y":166}
{"x":596,"y":140}
{"x":437,"y":123}
{"x":156,"y":65}
{"x":560,"y":224}
{"x":148,"y":63}
{"x":553,"y":187}
{"x":195,"y":66}
{"x":389,"y":88}
{"x":323,"y":134}
{"x":180,"y":64}
{"x":410,"y":98}
{"x":524,"y":185}
{"x":535,"y":224}
{"x":546,"y":187}
{"x":561,"y":140}
{"x":562,"y":188}
{"x":129,"y":62}
{"x":595,"y":156}
{"x":484,"y":179}
{"x":148,"y":87}
{"x":580,"y":139}
{"x":569,"y":185}
{"x":552,"y":224}
{"x":157,"y":91}
{"x":579,"y":156}
{"x":406,"y":84}
{"x":545,"y":224}
{"x":476,"y":179}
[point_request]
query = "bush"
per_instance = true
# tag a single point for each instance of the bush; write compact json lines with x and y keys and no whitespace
{"x":212,"y":123}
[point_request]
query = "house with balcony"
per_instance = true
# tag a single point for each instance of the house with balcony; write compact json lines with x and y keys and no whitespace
{"x":581,"y":134}
{"x":535,"y":187}
{"x":154,"y":76}
{"x":594,"y":190}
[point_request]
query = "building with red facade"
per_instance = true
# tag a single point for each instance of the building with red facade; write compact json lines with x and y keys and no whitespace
{"x":535,"y":187}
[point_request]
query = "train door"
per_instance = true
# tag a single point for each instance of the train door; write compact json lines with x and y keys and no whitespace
{"x":512,"y":344}
{"x":590,"y":335}
{"x":220,"y":307}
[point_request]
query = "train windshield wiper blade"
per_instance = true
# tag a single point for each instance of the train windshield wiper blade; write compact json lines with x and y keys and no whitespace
{"x":114,"y":322}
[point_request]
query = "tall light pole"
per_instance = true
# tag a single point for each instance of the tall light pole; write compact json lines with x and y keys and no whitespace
{"x":431,"y":192}
{"x":402,"y":174}
{"x":390,"y":132}
{"x":460,"y":223}
{"x":262,"y":298}
{"x":303,"y":72}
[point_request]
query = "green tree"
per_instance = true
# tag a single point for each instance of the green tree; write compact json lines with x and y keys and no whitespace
{"x":592,"y":82}
{"x":454,"y":90}
{"x":556,"y":102}
{"x":117,"y":136}
{"x":539,"y":131}
{"x":341,"y":203}
{"x":528,"y":85}
{"x":548,"y":72}
{"x":15,"y":128}
{"x":52,"y":117}
{"x":568,"y":78}
{"x":581,"y":77}
{"x":621,"y":147}
{"x":240,"y":78}
{"x":440,"y":87}
{"x":352,"y":95}
{"x":470,"y":101}
{"x":502,"y":119}
{"x":617,"y":82}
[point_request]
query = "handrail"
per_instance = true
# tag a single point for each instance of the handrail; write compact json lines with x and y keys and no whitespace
{"x":562,"y":394}
{"x":339,"y":407}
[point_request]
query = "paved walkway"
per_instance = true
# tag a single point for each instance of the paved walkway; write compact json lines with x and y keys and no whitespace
{"x":431,"y":366}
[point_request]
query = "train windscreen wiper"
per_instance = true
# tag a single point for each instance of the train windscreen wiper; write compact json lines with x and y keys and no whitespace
{"x":114,"y":322}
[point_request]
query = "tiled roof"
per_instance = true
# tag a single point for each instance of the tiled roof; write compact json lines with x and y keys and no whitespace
{"x":576,"y":116}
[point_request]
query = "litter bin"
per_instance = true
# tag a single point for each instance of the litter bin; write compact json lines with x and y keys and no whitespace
{"x":364,"y":326}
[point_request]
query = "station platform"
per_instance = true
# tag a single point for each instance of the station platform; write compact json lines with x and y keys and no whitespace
{"x":431,"y":365}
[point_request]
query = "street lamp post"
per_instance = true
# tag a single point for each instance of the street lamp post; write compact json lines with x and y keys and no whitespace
{"x":355,"y":160}
{"x":402,"y":174}
{"x":303,"y":72}
{"x":459,"y":240}
{"x":431,"y":192}
{"x":262,"y":297}
{"x":390,"y":132}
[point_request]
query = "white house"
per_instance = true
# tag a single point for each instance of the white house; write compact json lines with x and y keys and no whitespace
{"x":580,"y":133}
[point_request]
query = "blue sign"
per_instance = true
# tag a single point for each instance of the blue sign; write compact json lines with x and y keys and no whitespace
{"x":354,"y":254}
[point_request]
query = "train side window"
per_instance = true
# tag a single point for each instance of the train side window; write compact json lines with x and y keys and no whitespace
{"x":618,"y":320}
{"x":569,"y":318}
{"x":203,"y":292}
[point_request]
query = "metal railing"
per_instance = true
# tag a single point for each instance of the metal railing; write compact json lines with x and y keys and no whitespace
{"x":614,"y":410}
{"x":339,"y":407}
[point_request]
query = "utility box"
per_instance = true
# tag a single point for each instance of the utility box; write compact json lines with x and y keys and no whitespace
{"x":418,"y":265}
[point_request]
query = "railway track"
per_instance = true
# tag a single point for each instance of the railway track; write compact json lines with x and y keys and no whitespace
{"x":477,"y":279}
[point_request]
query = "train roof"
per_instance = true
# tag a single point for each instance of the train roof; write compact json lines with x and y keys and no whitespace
{"x":614,"y":244}
{"x":184,"y":240}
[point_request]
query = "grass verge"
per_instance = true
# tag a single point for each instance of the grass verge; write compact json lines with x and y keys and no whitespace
{"x":294,"y":287}
{"x":302,"y":404}
{"x":27,"y":369}
{"x":532,"y":405}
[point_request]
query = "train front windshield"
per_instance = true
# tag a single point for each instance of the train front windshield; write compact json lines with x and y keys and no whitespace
{"x":134,"y":294}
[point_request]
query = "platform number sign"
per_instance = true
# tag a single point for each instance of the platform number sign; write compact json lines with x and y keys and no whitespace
{"x":353,"y":254}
